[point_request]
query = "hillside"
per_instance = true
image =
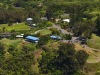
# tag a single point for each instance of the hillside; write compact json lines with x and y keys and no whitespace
{"x":49,"y":37}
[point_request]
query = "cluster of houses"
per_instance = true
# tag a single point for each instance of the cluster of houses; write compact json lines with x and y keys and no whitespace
{"x":31,"y":23}
{"x":81,"y":40}
{"x":36,"y":39}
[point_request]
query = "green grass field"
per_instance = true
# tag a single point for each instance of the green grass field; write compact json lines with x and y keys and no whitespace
{"x":94,"y":42}
{"x":45,"y":32}
{"x":16,"y":27}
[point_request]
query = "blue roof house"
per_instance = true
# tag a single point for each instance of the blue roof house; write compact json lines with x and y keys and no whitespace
{"x":55,"y":37}
{"x":32,"y":39}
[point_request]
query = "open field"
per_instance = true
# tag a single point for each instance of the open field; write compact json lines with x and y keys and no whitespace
{"x":16,"y":27}
{"x":45,"y":32}
{"x":94,"y":42}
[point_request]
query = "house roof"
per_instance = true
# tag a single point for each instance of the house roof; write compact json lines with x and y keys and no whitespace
{"x":29,"y":19}
{"x":66,"y":20}
{"x":19,"y":36}
{"x":32,"y":38}
{"x":55,"y":37}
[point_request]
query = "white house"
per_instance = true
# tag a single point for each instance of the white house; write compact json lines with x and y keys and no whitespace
{"x":29,"y":21}
{"x":66,"y":20}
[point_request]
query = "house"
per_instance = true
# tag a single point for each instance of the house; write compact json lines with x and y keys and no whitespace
{"x":20,"y":36}
{"x":29,"y":21}
{"x":66,"y":20}
{"x":55,"y":37}
{"x":32,"y":39}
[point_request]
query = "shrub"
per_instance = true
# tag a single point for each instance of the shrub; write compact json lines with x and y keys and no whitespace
{"x":68,"y":36}
{"x":55,"y":31}
{"x":97,"y":73}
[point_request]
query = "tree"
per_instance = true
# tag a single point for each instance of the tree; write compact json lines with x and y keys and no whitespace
{"x":27,"y":48}
{"x":66,"y":59}
{"x":55,"y":31}
{"x":76,"y":12}
{"x":81,"y":57}
{"x":68,"y":36}
{"x":63,"y":60}
{"x":11,"y":48}
{"x":4,"y":28}
{"x":43,"y":40}
{"x":2,"y":48}
{"x":49,"y":13}
{"x":98,"y":24}
{"x":84,"y":28}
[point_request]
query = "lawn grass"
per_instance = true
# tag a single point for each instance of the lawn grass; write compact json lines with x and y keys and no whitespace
{"x":45,"y":32}
{"x":16,"y":27}
{"x":94,"y":42}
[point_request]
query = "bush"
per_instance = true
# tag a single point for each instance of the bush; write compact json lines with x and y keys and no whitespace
{"x":55,"y":31}
{"x":68,"y":36}
{"x":97,"y":73}
{"x":27,"y":48}
{"x":49,"y":23}
{"x":13,"y":36}
{"x":12,"y":31}
{"x":2,"y":48}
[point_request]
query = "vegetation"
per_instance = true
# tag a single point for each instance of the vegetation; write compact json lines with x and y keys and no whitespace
{"x":16,"y":27}
{"x":48,"y":56}
{"x":61,"y":62}
{"x":95,"y":39}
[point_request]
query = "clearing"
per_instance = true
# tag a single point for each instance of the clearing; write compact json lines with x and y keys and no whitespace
{"x":16,"y":27}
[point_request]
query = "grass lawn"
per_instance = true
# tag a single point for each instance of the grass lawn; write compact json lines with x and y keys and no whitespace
{"x":94,"y":42}
{"x":45,"y":32}
{"x":16,"y":27}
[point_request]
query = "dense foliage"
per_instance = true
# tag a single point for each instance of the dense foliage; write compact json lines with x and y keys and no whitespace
{"x":63,"y":61}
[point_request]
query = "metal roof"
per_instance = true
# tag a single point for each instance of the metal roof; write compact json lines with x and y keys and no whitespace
{"x":32,"y":38}
{"x":29,"y":19}
{"x":66,"y":20}
{"x":55,"y":37}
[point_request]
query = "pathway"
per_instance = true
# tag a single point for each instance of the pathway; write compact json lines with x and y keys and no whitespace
{"x":62,"y":30}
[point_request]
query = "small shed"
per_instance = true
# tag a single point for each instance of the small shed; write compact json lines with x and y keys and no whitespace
{"x":32,"y":39}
